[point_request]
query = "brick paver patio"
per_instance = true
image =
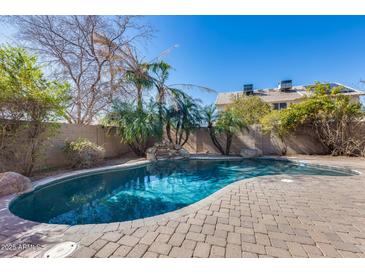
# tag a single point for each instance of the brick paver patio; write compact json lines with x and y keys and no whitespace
{"x":313,"y":216}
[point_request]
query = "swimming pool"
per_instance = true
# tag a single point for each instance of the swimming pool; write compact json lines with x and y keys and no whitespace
{"x":144,"y":191}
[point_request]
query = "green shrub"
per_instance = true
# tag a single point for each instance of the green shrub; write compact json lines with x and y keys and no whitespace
{"x":30,"y":104}
{"x":83,"y":153}
{"x":250,"y":109}
{"x":333,"y":118}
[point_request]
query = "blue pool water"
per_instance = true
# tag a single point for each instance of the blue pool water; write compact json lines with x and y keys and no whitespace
{"x":144,"y":191}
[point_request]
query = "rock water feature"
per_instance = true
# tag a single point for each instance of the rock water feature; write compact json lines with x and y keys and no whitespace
{"x":166,"y":150}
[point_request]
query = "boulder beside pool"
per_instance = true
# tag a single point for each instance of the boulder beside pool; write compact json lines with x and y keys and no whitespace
{"x":12,"y":182}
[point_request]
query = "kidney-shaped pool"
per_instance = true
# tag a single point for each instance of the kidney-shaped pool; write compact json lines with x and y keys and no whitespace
{"x":143,"y":191}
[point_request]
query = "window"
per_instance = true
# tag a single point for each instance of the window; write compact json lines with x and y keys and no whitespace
{"x":279,"y":106}
{"x":282,"y":105}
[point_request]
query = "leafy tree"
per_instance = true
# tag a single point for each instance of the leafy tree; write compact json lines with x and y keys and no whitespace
{"x":29,"y":104}
{"x":250,"y":108}
{"x":226,"y":123}
{"x":332,"y":116}
{"x":134,"y":125}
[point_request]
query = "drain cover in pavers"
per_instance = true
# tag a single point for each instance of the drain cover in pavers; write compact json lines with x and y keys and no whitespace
{"x":61,"y":250}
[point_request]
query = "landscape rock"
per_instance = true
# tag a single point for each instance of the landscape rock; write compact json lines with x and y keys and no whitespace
{"x":166,"y":150}
{"x":12,"y":182}
{"x":184,"y":153}
{"x":150,"y":154}
{"x":250,"y":152}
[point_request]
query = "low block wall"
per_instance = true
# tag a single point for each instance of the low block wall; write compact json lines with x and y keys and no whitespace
{"x":55,"y":157}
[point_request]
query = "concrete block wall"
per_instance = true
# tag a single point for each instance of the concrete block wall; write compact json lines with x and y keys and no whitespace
{"x":54,"y":156}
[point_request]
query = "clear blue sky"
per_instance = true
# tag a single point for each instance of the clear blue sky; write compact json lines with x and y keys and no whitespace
{"x":224,"y":52}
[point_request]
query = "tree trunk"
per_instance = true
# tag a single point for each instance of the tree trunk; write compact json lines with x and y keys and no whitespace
{"x":213,"y":137}
{"x":229,"y":138}
{"x":168,"y":131}
{"x":30,"y":158}
{"x":139,"y":98}
{"x":137,"y":150}
{"x":176,"y":135}
{"x":187,"y":134}
{"x":181,"y":135}
{"x":161,"y":103}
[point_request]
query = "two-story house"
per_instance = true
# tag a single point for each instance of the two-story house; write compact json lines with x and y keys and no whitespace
{"x":282,"y":96}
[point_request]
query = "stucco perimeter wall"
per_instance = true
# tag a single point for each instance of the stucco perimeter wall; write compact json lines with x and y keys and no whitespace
{"x":55,"y":157}
{"x":303,"y":142}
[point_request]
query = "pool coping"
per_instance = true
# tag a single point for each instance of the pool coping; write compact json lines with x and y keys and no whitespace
{"x":71,"y":174}
{"x":6,"y":200}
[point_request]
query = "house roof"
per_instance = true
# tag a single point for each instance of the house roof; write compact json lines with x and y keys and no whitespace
{"x":274,"y":95}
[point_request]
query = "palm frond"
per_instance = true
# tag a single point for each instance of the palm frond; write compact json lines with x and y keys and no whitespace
{"x":192,"y":87}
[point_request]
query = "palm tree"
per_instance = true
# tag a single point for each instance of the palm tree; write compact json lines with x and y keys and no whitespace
{"x":210,"y":116}
{"x":181,"y":118}
{"x":135,"y":126}
{"x":177,"y":110}
{"x":226,"y":123}
{"x":182,"y":114}
{"x":124,"y":61}
{"x":160,"y":72}
{"x":137,"y":74}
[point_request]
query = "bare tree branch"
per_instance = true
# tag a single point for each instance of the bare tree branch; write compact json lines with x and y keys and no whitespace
{"x":86,"y":52}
